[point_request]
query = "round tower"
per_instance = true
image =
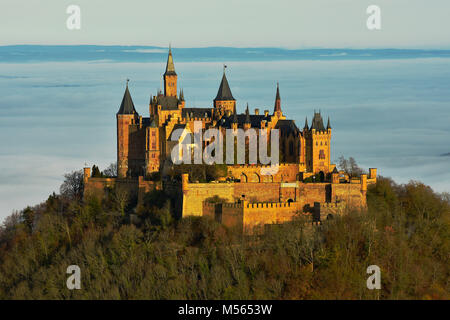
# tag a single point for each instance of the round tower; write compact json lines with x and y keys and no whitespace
{"x":125,"y":117}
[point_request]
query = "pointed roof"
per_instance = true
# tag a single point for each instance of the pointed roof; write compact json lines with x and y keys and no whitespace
{"x":224,"y":93}
{"x":127,"y":105}
{"x":170,"y":68}
{"x":306,"y":127}
{"x":277,"y":99}
{"x":317,"y":122}
{"x":328,"y":124}
{"x":181,"y":95}
{"x":247,"y":115}
{"x":235,"y":118}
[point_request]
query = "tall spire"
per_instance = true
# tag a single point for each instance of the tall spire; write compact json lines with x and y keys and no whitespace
{"x":170,"y":68}
{"x":277,"y":100}
{"x":181,"y":95}
{"x":235,"y":119}
{"x":328,"y":124}
{"x":247,"y":115}
{"x":306,"y":127}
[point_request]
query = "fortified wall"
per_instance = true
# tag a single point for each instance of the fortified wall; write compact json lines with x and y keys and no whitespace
{"x":247,"y":205}
{"x":135,"y":187}
{"x":251,"y":218}
{"x":254,"y":204}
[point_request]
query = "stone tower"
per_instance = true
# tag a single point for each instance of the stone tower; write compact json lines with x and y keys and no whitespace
{"x":126,"y":116}
{"x":170,"y":77}
{"x":224,"y":100}
{"x":317,"y":141}
{"x":153,"y":156}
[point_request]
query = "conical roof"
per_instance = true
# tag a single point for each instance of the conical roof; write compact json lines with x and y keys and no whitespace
{"x":224,"y":93}
{"x":127,"y":105}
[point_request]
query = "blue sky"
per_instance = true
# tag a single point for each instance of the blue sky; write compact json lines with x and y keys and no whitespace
{"x":199,"y":23}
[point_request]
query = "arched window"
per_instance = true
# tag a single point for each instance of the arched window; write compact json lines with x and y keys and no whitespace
{"x":321,"y":154}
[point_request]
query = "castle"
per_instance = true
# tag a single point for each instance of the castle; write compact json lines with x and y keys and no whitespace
{"x":305,"y":181}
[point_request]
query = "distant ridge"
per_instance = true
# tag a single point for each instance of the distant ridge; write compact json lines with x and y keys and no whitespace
{"x":445,"y":155}
{"x":48,"y":53}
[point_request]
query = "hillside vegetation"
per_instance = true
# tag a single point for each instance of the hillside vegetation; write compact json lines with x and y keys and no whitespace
{"x":405,"y":231}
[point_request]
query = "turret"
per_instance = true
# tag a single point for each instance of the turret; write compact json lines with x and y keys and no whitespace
{"x":318,"y":140}
{"x":86,"y":174}
{"x":247,"y":122}
{"x":224,"y":100}
{"x":234,"y":122}
{"x":126,"y":116}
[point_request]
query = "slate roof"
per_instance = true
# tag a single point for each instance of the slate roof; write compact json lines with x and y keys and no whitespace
{"x":317,"y":122}
{"x":224,"y":92}
{"x":287,"y":127}
{"x":196,"y":112}
{"x":167,"y":103}
{"x":255,"y":120}
{"x":127,"y":105}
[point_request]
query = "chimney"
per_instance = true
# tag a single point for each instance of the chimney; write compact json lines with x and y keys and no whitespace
{"x":257,"y":111}
{"x":266,"y":113}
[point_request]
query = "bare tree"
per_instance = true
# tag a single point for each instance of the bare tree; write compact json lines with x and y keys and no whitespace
{"x":350,"y":167}
{"x":111,"y":171}
{"x":121,"y":198}
{"x":73,"y":185}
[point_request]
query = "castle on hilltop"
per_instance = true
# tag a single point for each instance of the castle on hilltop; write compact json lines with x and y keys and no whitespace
{"x":305,"y":180}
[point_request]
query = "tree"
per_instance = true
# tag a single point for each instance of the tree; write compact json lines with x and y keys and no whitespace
{"x":350,"y":167}
{"x":111,"y":171}
{"x":121,"y":198}
{"x":96,"y":172}
{"x":72,"y":187}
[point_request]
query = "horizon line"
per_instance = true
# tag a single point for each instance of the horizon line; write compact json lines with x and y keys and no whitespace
{"x":417,"y":48}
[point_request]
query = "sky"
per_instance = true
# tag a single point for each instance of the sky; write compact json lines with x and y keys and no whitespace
{"x":238,"y":23}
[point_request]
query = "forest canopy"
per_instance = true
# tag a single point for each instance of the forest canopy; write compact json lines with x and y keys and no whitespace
{"x":404,"y":231}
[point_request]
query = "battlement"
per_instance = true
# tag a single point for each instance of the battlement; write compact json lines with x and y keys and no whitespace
{"x":275,"y":205}
{"x":232,"y":205}
{"x":280,"y":165}
{"x":320,"y":133}
{"x":332,"y":205}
